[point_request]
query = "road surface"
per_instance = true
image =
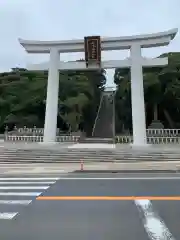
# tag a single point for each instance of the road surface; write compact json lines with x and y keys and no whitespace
{"x":104,"y":210}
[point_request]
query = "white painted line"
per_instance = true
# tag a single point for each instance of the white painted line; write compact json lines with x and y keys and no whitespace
{"x":122,"y":178}
{"x":24,"y":187}
{"x":8,"y":215}
{"x":154,"y":226}
{"x":20,"y":193}
{"x":29,"y":178}
{"x":25,"y":183}
{"x":14,"y":202}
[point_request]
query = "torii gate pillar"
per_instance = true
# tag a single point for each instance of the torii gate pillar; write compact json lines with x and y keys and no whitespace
{"x":50,"y":124}
{"x":137,"y":97}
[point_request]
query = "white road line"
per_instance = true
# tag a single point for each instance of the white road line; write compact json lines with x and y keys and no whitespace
{"x":8,"y":215}
{"x":14,"y":202}
{"x":29,"y":178}
{"x":153,"y":224}
{"x":20,"y":193}
{"x":122,"y":178}
{"x":25,"y":183}
{"x":24,"y":187}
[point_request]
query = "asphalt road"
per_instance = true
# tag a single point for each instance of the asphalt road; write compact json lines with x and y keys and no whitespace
{"x":117,"y":218}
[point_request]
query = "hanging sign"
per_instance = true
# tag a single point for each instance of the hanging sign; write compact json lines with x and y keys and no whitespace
{"x":92,"y":50}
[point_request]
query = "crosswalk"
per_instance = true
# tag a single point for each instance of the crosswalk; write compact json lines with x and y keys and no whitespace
{"x":20,"y":184}
{"x":18,"y":192}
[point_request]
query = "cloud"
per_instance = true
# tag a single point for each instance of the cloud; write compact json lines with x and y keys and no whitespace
{"x":53,"y":20}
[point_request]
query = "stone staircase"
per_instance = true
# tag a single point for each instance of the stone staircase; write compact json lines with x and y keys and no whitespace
{"x":67,"y":155}
{"x":103,"y":131}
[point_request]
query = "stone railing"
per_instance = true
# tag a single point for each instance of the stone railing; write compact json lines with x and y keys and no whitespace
{"x":155,"y":136}
{"x":163,"y":132}
{"x":14,"y":138}
{"x":36,"y":135}
{"x":119,"y":139}
{"x":150,"y":140}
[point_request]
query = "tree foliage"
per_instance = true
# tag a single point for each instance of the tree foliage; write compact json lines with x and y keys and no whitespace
{"x":23,"y":98}
{"x":162,"y":94}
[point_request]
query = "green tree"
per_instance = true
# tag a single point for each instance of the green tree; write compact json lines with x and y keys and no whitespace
{"x":162,"y":93}
{"x":23,"y":98}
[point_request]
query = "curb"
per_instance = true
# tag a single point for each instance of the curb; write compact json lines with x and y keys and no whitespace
{"x":127,"y":171}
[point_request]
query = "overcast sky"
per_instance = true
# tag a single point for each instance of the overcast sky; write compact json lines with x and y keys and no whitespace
{"x":70,"y":19}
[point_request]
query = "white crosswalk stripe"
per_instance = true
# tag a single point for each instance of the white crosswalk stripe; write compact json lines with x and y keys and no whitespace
{"x":20,"y":194}
{"x":23,"y":188}
{"x":26,"y":183}
{"x":28,"y":178}
{"x":16,"y":192}
{"x":22,"y":202}
{"x":7,"y":215}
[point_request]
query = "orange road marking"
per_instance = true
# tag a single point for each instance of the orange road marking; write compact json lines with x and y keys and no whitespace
{"x":113,"y":198}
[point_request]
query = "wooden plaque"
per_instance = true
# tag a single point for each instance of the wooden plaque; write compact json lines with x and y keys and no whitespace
{"x":92,"y":49}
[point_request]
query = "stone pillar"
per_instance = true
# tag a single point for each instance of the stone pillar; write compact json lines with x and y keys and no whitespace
{"x":50,"y":125}
{"x":137,"y":97}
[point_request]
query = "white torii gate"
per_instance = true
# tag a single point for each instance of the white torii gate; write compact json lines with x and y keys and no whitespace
{"x":136,"y":62}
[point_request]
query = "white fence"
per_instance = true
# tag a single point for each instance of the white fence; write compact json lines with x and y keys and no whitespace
{"x":163,"y":132}
{"x":150,"y":140}
{"x":154,"y":136}
{"x":119,"y":139}
{"x":13,"y":138}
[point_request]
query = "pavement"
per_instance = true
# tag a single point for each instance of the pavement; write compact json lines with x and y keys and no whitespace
{"x":63,"y":168}
{"x":48,"y":205}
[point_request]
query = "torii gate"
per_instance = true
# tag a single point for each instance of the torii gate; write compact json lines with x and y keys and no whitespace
{"x":136,"y":63}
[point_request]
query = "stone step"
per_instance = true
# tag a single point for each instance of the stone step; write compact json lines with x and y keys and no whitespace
{"x":60,"y":157}
{"x":25,"y":161}
{"x":97,"y":140}
{"x":118,"y":157}
{"x":75,"y":155}
{"x":85,"y":151}
{"x":82,"y":155}
{"x":89,"y":155}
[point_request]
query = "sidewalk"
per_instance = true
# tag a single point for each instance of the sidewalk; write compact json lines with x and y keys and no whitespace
{"x":64,"y":168}
{"x":135,"y":166}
